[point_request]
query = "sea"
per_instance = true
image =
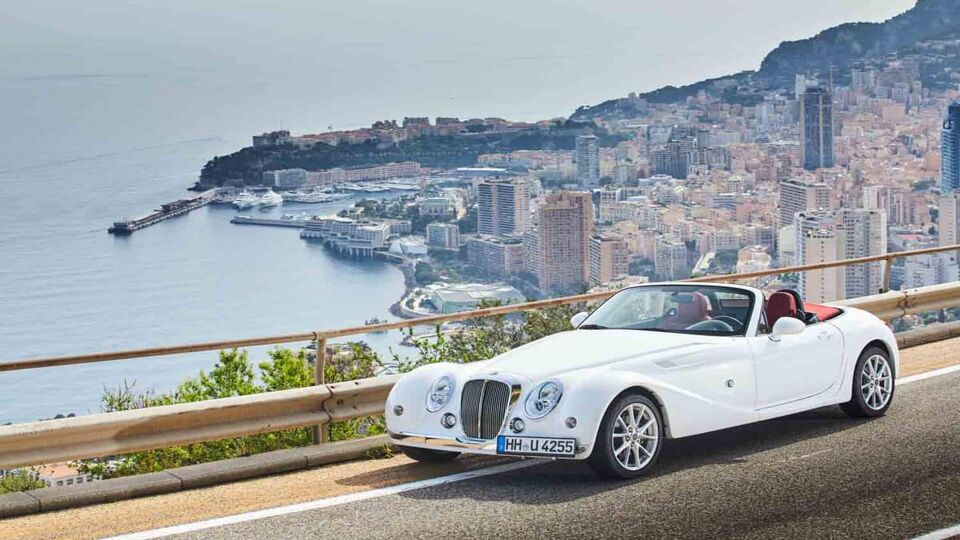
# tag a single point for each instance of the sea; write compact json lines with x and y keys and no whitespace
{"x":68,"y":287}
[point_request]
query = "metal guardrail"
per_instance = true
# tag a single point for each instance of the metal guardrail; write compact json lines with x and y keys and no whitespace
{"x":170,"y":425}
{"x":321,"y":336}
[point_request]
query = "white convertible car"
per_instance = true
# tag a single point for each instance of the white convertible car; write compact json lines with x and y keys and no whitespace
{"x":652,"y":362}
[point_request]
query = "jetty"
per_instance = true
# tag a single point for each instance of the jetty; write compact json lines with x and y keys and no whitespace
{"x":166,"y":211}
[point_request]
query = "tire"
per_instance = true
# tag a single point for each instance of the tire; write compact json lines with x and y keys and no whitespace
{"x":643,"y":449}
{"x":424,"y":455}
{"x":874,"y":384}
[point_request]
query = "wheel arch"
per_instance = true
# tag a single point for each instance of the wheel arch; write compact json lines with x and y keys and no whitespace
{"x":885,"y":347}
{"x":652,"y":396}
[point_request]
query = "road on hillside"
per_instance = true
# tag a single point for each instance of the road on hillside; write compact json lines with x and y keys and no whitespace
{"x":815,"y":475}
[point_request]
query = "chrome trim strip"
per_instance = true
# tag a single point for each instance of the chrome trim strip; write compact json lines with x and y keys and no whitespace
{"x":444,"y":442}
{"x":480,"y":407}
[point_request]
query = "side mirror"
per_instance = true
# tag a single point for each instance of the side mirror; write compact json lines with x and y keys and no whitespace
{"x":578,"y":319}
{"x":787,"y":326}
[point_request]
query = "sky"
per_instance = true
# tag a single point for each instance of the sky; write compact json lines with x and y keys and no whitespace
{"x":350,"y":62}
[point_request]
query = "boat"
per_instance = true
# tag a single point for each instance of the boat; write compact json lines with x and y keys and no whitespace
{"x":308,"y":197}
{"x":245,"y":200}
{"x":374,"y":321}
{"x":313,"y":197}
{"x":270,"y":199}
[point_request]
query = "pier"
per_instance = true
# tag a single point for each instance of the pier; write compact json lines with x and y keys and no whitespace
{"x":247,"y":220}
{"x":166,"y":211}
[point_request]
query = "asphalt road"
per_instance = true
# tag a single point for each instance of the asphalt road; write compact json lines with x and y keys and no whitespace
{"x":815,"y":475}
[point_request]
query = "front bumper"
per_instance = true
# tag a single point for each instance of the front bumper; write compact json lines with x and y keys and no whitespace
{"x":486,"y":448}
{"x":444,"y":443}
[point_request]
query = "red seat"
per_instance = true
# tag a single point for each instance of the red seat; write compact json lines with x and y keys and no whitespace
{"x":824,"y":313}
{"x":780,"y":304}
{"x":689,"y":313}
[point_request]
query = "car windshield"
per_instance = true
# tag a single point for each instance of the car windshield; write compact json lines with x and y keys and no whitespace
{"x":687,"y":309}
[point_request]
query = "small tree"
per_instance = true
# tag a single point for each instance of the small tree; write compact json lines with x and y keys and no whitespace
{"x":20,"y":480}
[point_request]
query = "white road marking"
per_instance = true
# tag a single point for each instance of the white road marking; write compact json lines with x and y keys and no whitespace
{"x":449,"y":479}
{"x":929,"y":374}
{"x":327,"y":502}
{"x":806,"y":456}
{"x":942,"y":534}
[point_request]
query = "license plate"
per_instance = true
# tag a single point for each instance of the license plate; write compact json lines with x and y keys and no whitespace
{"x":536,"y":446}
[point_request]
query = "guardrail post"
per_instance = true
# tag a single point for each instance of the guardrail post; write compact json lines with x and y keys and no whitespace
{"x":321,"y":433}
{"x":887,"y":268}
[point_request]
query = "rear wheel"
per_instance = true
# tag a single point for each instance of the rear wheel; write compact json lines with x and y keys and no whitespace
{"x":629,"y":440}
{"x":873,"y":385}
{"x":424,"y":455}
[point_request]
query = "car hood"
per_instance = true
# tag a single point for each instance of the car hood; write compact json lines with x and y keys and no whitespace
{"x":579,"y":349}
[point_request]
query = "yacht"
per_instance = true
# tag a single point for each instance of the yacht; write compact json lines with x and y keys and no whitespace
{"x":270,"y":199}
{"x":245,"y":200}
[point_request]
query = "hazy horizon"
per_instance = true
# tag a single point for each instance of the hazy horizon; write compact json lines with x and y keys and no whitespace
{"x":107,"y":76}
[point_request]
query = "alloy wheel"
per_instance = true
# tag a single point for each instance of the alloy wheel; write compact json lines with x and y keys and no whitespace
{"x":635,"y":436}
{"x":876,"y":382}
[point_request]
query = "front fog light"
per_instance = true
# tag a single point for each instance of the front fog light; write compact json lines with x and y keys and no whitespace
{"x":517,"y":425}
{"x":448,"y":420}
{"x":398,"y":410}
{"x":571,"y":422}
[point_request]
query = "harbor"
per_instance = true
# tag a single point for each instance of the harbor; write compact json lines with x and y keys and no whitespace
{"x":166,"y":211}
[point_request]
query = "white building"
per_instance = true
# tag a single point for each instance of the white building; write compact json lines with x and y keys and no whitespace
{"x":285,"y":178}
{"x":503,"y":207}
{"x":671,"y":260}
{"x":926,"y":270}
{"x":467,"y":296}
{"x":825,"y":236}
{"x":443,"y":235}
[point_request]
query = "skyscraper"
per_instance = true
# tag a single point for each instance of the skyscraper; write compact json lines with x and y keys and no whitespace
{"x":503,"y":207}
{"x":949,"y":230}
{"x":816,"y":128}
{"x":588,"y":160}
{"x":866,"y":235}
{"x":825,"y":236}
{"x":557,"y":250}
{"x":798,"y":196}
{"x":950,"y":151}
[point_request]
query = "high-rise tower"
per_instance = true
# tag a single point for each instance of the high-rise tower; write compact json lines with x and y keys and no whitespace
{"x":950,"y":151}
{"x":816,"y":128}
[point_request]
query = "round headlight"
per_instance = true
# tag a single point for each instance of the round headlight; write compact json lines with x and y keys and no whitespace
{"x":440,"y":393}
{"x":543,"y":399}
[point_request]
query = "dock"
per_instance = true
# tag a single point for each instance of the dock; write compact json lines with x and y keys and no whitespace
{"x":247,"y":220}
{"x":166,"y":211}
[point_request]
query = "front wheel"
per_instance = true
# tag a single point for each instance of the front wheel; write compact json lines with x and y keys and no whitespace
{"x":873,"y":385}
{"x":424,"y":455}
{"x":628,"y":442}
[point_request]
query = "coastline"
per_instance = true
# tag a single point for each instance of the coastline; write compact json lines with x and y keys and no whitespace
{"x":410,"y":283}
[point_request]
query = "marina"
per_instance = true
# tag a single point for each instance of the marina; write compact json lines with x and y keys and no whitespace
{"x":166,"y":211}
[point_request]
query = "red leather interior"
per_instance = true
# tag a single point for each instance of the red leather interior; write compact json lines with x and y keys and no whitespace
{"x":780,"y":304}
{"x":824,"y":313}
{"x":689,"y":313}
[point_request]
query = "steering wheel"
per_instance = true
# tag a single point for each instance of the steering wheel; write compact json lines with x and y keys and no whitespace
{"x":710,"y":325}
{"x":735,"y":325}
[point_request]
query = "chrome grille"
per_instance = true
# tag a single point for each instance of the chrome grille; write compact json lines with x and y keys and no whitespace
{"x":470,"y":408}
{"x":483,"y":406}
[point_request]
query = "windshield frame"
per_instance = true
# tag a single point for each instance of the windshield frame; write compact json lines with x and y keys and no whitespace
{"x":749,"y":328}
